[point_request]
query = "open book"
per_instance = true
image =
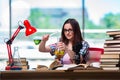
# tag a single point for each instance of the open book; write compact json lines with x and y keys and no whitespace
{"x":57,"y":66}
{"x":61,"y":67}
{"x":78,"y":67}
{"x":53,"y":66}
{"x":72,"y":66}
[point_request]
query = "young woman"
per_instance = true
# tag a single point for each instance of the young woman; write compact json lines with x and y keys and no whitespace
{"x":71,"y":42}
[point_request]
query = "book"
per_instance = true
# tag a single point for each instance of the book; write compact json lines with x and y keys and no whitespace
{"x":109,"y":61}
{"x":115,"y":32}
{"x":78,"y":67}
{"x":111,"y":52}
{"x":109,"y":56}
{"x":110,"y":41}
{"x":72,"y":66}
{"x":109,"y":68}
{"x":108,"y":65}
{"x":111,"y":48}
{"x":112,"y":45}
{"x":63,"y":67}
{"x":22,"y":62}
{"x":57,"y":66}
{"x":117,"y":37}
{"x":25,"y":67}
{"x":42,"y":68}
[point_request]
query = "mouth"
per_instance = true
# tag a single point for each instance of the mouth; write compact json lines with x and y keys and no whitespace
{"x":68,"y":36}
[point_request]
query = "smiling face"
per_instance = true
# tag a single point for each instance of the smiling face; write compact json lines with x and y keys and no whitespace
{"x":68,"y":31}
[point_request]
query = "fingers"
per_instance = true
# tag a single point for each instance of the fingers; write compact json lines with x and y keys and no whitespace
{"x":61,"y":45}
{"x":45,"y":37}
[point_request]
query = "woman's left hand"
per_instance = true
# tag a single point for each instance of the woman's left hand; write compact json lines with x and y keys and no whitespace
{"x":61,"y":46}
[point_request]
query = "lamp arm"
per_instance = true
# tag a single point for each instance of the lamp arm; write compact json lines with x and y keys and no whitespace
{"x":9,"y":43}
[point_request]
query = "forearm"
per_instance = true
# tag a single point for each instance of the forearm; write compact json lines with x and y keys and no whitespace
{"x":42,"y":47}
{"x":70,"y":53}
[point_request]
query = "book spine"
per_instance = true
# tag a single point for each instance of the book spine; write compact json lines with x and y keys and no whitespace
{"x":110,"y":56}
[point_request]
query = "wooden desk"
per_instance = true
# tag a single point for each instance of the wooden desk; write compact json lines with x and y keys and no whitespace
{"x":61,"y":75}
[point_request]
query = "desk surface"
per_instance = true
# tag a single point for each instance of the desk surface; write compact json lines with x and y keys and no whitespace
{"x":60,"y":74}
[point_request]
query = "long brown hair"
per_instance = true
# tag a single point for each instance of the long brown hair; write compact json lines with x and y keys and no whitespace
{"x":76,"y":29}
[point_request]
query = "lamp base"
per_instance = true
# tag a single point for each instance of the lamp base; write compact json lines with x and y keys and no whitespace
{"x":13,"y":68}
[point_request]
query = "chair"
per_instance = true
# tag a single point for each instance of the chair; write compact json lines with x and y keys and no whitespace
{"x":94,"y":54}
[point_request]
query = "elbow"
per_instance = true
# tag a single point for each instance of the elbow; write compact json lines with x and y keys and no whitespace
{"x":40,"y":50}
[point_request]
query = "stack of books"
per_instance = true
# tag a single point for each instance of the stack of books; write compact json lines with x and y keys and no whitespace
{"x":22,"y":62}
{"x":111,"y":57}
{"x":109,"y":61}
{"x":112,"y":45}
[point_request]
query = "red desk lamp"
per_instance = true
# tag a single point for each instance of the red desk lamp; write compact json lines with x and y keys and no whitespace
{"x":29,"y":30}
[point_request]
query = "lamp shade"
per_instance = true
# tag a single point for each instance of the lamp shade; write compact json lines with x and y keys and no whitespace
{"x":29,"y":29}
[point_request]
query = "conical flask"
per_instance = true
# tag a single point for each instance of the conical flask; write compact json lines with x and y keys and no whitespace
{"x":16,"y":57}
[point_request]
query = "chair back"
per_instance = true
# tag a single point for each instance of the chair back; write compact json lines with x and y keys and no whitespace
{"x":94,"y":54}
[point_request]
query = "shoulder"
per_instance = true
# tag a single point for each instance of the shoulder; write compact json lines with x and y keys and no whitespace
{"x":85,"y":42}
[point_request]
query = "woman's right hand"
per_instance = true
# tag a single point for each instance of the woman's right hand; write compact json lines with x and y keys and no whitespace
{"x":45,"y":37}
{"x":61,"y":46}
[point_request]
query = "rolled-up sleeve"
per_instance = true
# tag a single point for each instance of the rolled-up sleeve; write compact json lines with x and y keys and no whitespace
{"x":85,"y":47}
{"x":52,"y":47}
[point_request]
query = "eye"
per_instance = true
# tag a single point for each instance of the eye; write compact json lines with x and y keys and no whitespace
{"x":65,"y":30}
{"x":69,"y":30}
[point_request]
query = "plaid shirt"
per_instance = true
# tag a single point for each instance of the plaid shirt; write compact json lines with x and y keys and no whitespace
{"x":83,"y":51}
{"x":85,"y":47}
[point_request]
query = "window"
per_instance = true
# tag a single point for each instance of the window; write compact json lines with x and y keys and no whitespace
{"x":48,"y":17}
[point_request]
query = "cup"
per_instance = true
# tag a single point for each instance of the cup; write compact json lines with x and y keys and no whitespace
{"x":37,"y":40}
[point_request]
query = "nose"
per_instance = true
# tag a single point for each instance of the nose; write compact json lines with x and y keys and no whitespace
{"x":67,"y":32}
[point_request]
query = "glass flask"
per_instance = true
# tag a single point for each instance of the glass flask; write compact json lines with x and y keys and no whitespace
{"x":16,"y":57}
